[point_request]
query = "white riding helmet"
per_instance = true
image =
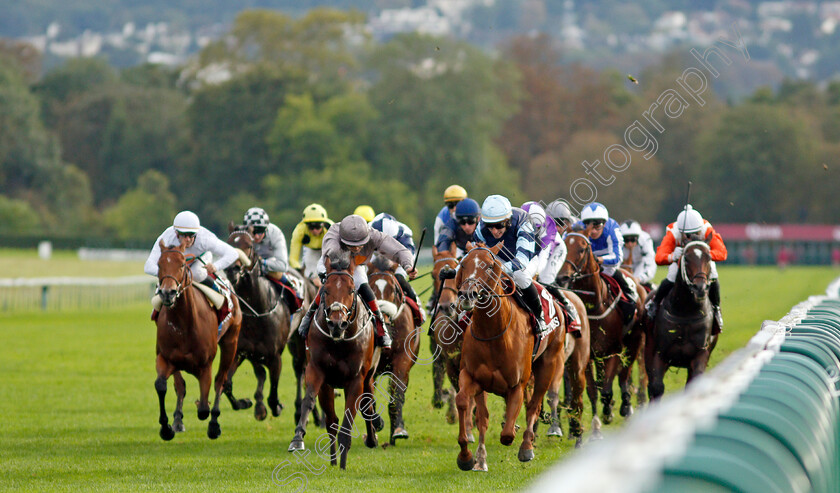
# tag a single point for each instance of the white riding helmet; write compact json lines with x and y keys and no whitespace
{"x":594,"y":210}
{"x":689,"y":221}
{"x":536,"y":214}
{"x":631,"y":228}
{"x":495,"y":209}
{"x":559,"y":209}
{"x":186,"y":222}
{"x":256,"y":217}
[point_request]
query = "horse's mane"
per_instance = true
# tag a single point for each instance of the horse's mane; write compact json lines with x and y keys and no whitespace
{"x":379,"y":262}
{"x":340,"y":260}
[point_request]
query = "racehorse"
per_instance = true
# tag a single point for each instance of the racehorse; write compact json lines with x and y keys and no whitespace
{"x":396,"y":363}
{"x":297,"y":348}
{"x":265,"y":325}
{"x":496,"y":355}
{"x":681,"y":334}
{"x":341,"y":355}
{"x":446,"y":333}
{"x":613,"y":347}
{"x":187,"y":334}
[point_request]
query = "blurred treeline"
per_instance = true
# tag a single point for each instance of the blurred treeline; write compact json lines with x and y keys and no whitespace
{"x":283,"y":112}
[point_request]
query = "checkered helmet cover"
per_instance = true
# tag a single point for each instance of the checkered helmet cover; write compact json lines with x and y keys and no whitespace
{"x":256,"y":217}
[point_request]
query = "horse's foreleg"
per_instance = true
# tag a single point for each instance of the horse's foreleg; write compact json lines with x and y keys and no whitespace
{"x":259,"y":407}
{"x":327,"y":399}
{"x":164,"y":369}
{"x":314,"y":381}
{"x":205,"y":379}
{"x":513,"y":403}
{"x":226,"y":358}
{"x":180,"y":392}
{"x":482,"y":421}
{"x":698,"y":365}
{"x":577,"y":380}
{"x":353,"y":392}
{"x":592,"y":393}
{"x":398,"y":385}
{"x":275,"y":366}
{"x":553,"y":398}
{"x":625,"y":377}
{"x":547,"y":372}
{"x":641,"y":390}
{"x":610,"y":370}
{"x":656,"y":368}
{"x":438,"y":372}
{"x":468,"y":389}
{"x":235,"y":403}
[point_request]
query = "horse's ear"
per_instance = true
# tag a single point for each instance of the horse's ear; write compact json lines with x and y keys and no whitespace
{"x":161,"y":245}
{"x":434,"y":251}
{"x":453,"y":249}
{"x":231,"y":227}
{"x":497,"y":248}
{"x":251,"y":229}
{"x":327,"y":263}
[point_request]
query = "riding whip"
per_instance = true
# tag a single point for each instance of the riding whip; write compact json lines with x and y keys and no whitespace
{"x":419,"y":245}
{"x":685,"y":209}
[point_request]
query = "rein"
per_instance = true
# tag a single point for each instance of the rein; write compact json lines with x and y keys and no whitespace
{"x":353,"y":309}
{"x":578,"y":276}
{"x":701,"y":274}
{"x":185,"y":282}
{"x":494,"y":295}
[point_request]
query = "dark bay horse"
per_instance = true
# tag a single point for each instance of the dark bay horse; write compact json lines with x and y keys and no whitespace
{"x":681,"y":334}
{"x":187,"y":332}
{"x":496,"y":356}
{"x":397,"y":362}
{"x":265,"y":325}
{"x":446,"y":332}
{"x":613,"y":347}
{"x":341,"y":355}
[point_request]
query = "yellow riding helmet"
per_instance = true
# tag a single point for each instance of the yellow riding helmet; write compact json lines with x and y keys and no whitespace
{"x":453,"y":193}
{"x":366,"y":212}
{"x":314,"y":213}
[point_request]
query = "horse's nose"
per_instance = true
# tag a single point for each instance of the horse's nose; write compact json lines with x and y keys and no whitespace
{"x":167,"y":296}
{"x":448,"y":309}
{"x":343,"y":325}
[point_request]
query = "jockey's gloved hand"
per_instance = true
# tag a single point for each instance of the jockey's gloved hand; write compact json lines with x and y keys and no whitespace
{"x":323,"y":277}
{"x":677,"y":254}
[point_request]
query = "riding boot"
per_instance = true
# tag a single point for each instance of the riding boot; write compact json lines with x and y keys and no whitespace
{"x":574,"y":324}
{"x":383,"y":338}
{"x":628,"y":308}
{"x":532,"y":298}
{"x":303,"y":328}
{"x":714,"y":298}
{"x":417,"y":312}
{"x":661,"y":293}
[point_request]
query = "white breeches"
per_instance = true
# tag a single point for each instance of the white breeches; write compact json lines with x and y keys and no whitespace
{"x":554,"y":261}
{"x":609,"y":269}
{"x":525,"y":277}
{"x":360,"y":275}
{"x":199,"y":272}
{"x":309,"y":260}
{"x":674,"y":269}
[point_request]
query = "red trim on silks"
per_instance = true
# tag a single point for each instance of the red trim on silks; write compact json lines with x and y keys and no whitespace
{"x":415,"y":312}
{"x":288,"y":290}
{"x":223,"y":312}
{"x":615,"y":288}
{"x":317,"y":300}
{"x":377,"y":318}
{"x":155,"y":314}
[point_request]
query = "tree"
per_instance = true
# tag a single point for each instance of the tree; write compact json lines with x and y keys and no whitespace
{"x":17,"y":217}
{"x":143,"y":212}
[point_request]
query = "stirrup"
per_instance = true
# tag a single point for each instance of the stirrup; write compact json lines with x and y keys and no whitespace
{"x":384,"y":341}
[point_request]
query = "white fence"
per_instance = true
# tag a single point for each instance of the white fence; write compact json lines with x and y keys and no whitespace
{"x":62,"y":293}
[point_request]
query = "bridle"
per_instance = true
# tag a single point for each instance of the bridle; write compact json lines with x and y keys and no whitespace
{"x":443,"y":286}
{"x":496,"y":260}
{"x":699,"y":275}
{"x":352,"y":312}
{"x":582,"y":262}
{"x":180,"y":284}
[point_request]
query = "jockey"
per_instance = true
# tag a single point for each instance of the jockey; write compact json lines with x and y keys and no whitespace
{"x":460,"y":227}
{"x":451,"y":197}
{"x":201,"y":245}
{"x":500,"y":223}
{"x":354,"y":234}
{"x":551,"y":254}
{"x":689,"y":226}
{"x":387,"y":224}
{"x":639,"y":251}
{"x":306,"y":241}
{"x":560,"y":211}
{"x":605,"y":236}
{"x":271,"y":248}
{"x":366,"y":212}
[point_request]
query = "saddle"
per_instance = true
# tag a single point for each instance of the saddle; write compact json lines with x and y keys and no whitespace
{"x":289,"y":292}
{"x":221,"y":301}
{"x":626,"y":305}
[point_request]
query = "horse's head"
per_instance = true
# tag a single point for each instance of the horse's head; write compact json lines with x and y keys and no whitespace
{"x":384,"y":285}
{"x":172,"y":273}
{"x":339,"y":294}
{"x":479,"y":277}
{"x":580,"y":262}
{"x":445,"y":263}
{"x":695,"y":268}
{"x":242,"y":239}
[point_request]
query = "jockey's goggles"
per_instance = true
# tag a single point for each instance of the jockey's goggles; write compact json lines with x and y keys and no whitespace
{"x":259,"y":230}
{"x":451,"y":204}
{"x":631,"y":239}
{"x":186,"y":234}
{"x":597,"y":223}
{"x":501,"y":225}
{"x":312,"y":226}
{"x":467,"y":220}
{"x":562,"y":222}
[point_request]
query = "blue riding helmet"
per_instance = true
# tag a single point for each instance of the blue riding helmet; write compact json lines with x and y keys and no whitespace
{"x":467,"y":208}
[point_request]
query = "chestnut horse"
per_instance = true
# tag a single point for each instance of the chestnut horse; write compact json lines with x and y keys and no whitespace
{"x":613,"y":347}
{"x":446,"y":333}
{"x":341,"y":355}
{"x":496,"y":355}
{"x":681,"y":335}
{"x":265,"y":325}
{"x":406,"y":339}
{"x":187,"y":334}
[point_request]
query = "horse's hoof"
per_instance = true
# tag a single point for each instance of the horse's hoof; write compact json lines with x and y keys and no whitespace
{"x":506,"y":440}
{"x":578,"y":442}
{"x":451,"y":418}
{"x":466,"y":465}
{"x":203,"y":414}
{"x":596,"y":435}
{"x":260,"y":412}
{"x":626,"y":410}
{"x":276,"y":410}
{"x":554,"y":430}
{"x":470,"y":438}
{"x":378,"y":423}
{"x":372,"y":443}
{"x":526,"y":455}
{"x":607,"y":418}
{"x":178,"y":427}
{"x":213,"y":431}
{"x":167,"y":433}
{"x":400,"y":433}
{"x":296,"y":445}
{"x":480,"y":467}
{"x":244,"y":404}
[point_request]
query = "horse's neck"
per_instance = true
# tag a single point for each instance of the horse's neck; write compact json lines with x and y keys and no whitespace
{"x":681,"y":299}
{"x":259,"y":290}
{"x":185,"y":311}
{"x":490,"y":321}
